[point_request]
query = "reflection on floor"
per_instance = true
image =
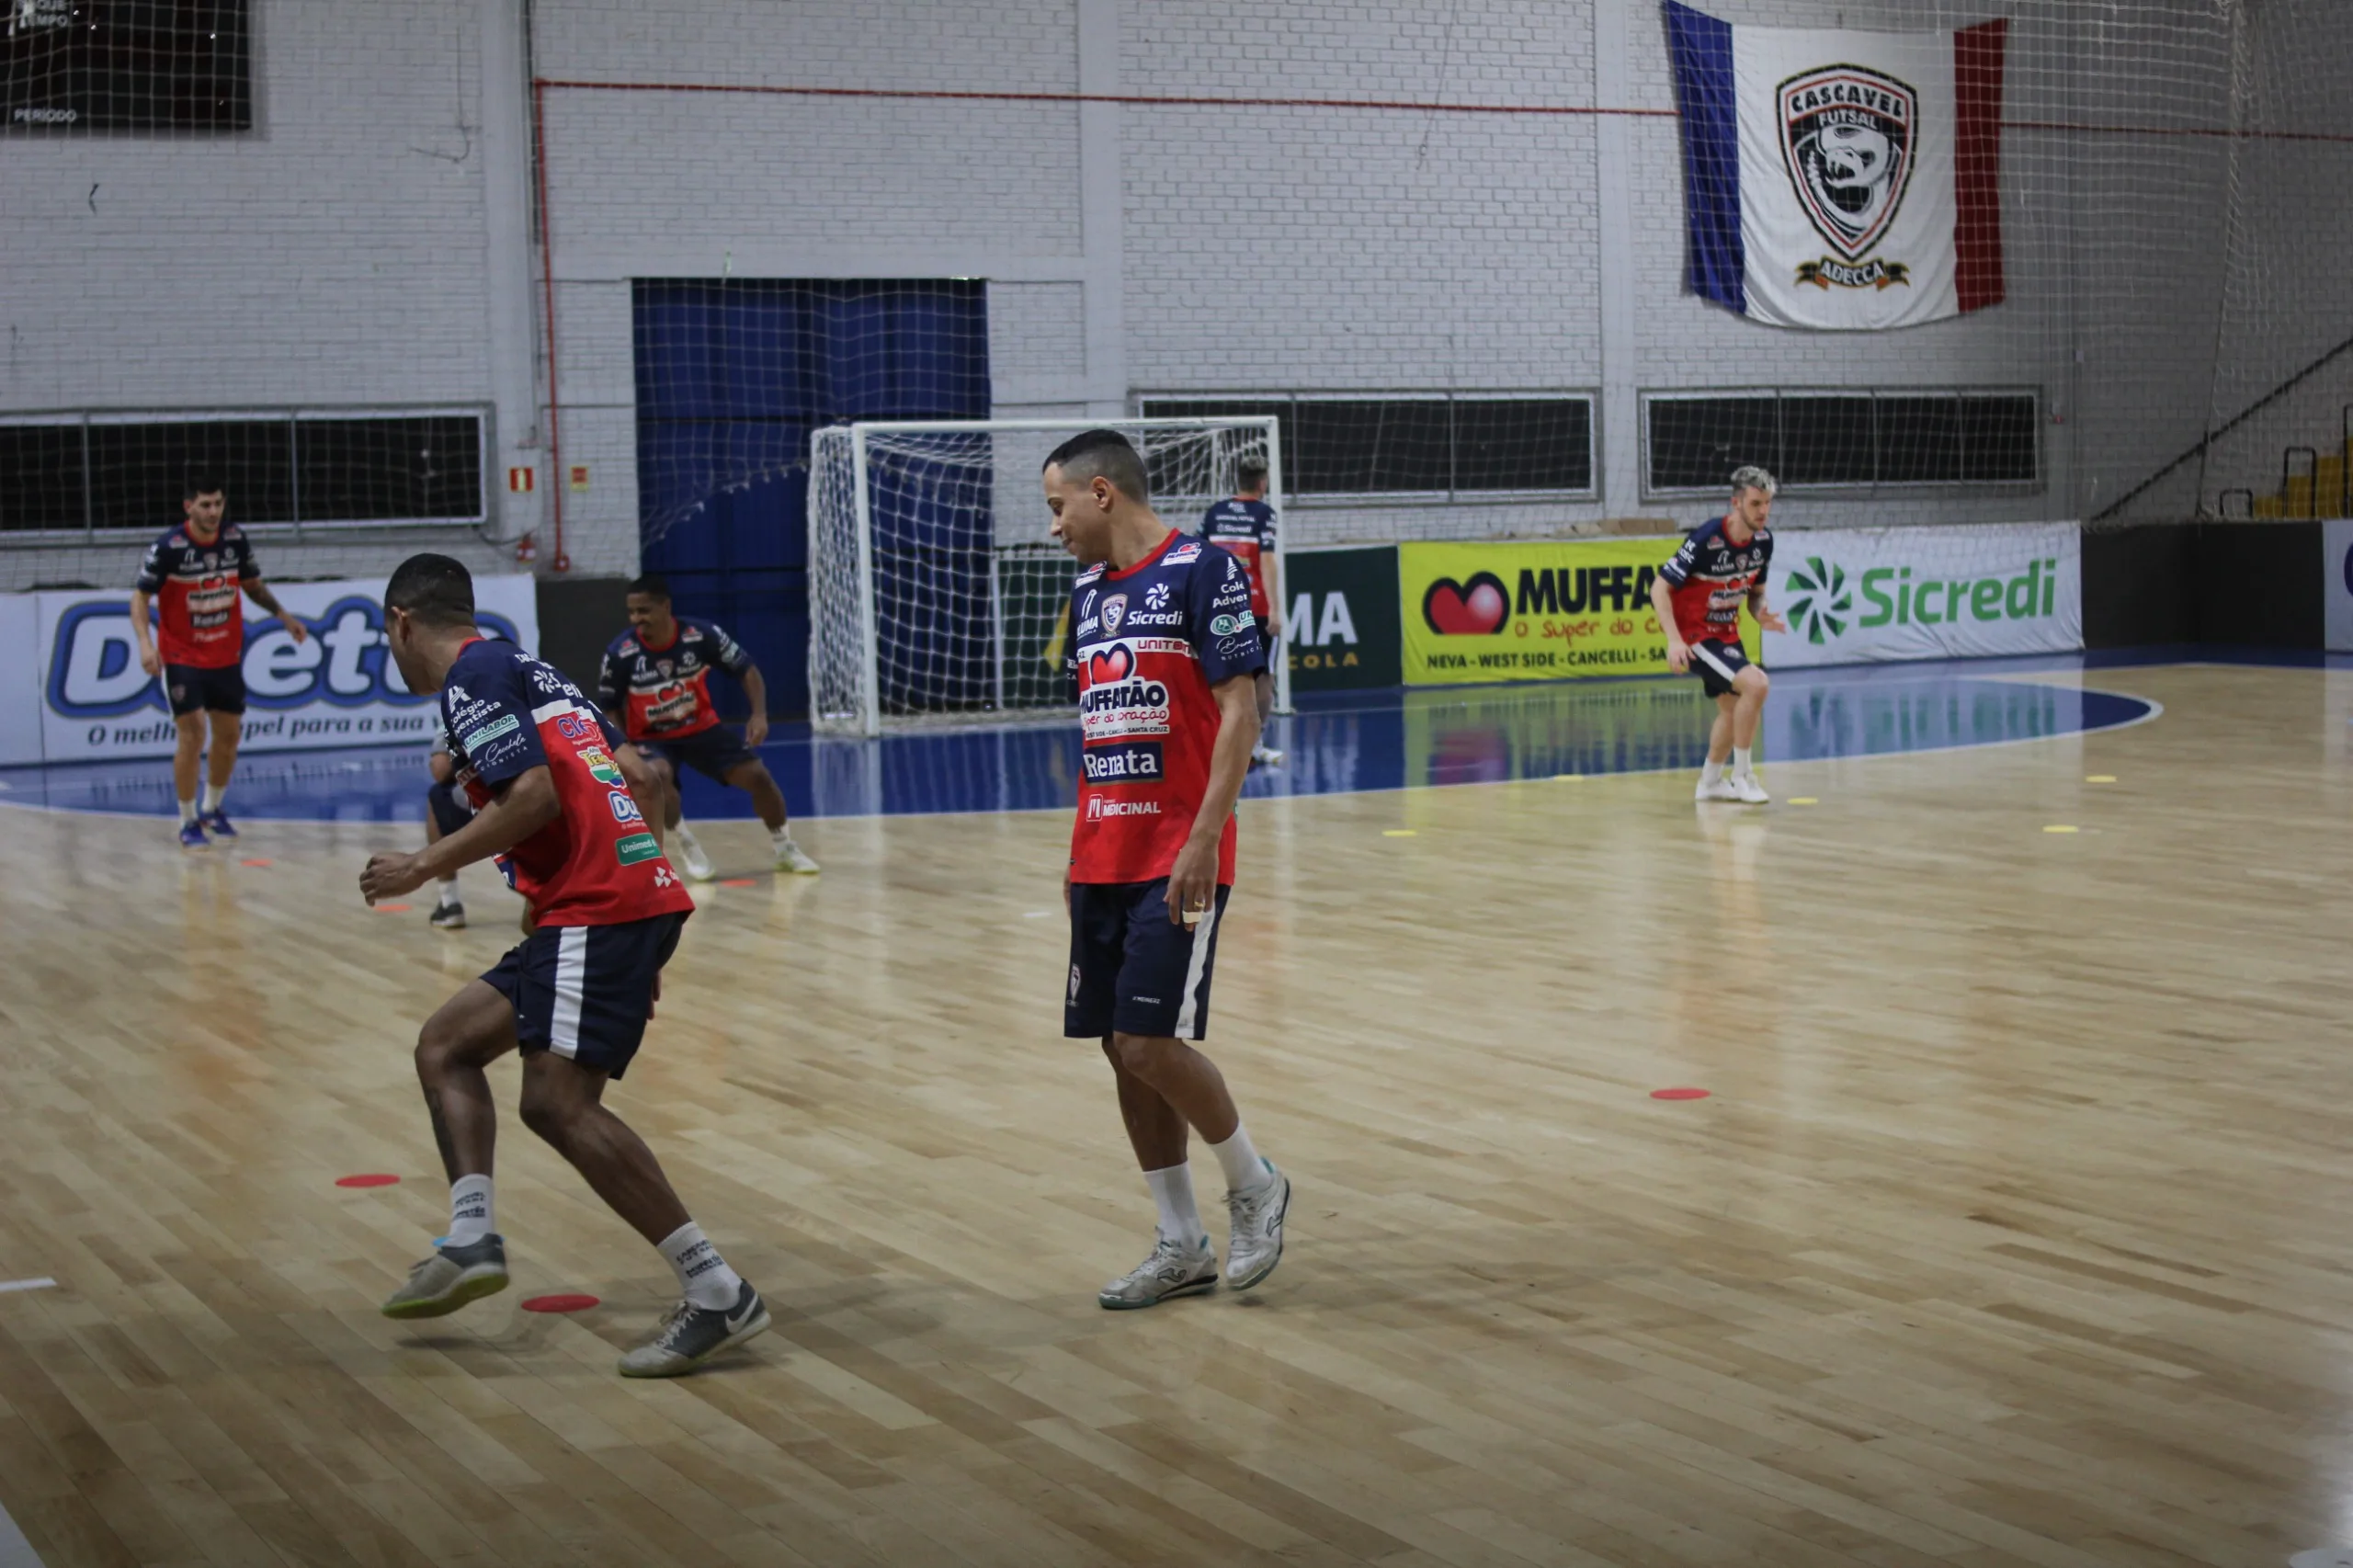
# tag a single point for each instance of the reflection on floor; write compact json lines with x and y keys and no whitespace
{"x":1337,"y":744}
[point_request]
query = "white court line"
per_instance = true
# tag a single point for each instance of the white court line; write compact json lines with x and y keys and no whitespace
{"x":43,"y":1283}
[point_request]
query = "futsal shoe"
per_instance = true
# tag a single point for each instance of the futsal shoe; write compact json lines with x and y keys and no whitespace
{"x":1174,"y":1270}
{"x":790,"y":857}
{"x":692,"y":1334}
{"x":1717,"y":788}
{"x":1264,"y":756}
{"x":192,"y":836}
{"x":450,"y":1277}
{"x":216,"y":822}
{"x":691,"y":860}
{"x":1749,"y":792}
{"x":1255,"y":1244}
{"x":447,"y":917}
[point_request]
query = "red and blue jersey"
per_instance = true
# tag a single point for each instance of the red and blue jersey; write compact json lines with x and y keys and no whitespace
{"x":663,"y":694}
{"x":1712,"y":577}
{"x":505,"y":713}
{"x":1148,"y":643}
{"x":1246,"y":529}
{"x":197,"y":588}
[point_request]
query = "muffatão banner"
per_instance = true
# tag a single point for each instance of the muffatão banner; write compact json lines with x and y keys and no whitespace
{"x":1538,"y":612}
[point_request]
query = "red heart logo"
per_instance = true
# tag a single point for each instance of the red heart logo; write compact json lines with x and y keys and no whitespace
{"x":1104,"y":668}
{"x":1476,"y":608}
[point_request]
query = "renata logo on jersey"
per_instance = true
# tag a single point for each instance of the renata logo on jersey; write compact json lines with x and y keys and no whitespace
{"x":1137,"y":762}
{"x":1099,"y":808}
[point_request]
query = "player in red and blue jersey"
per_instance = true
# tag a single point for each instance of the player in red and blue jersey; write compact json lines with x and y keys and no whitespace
{"x":198,"y":576}
{"x":1699,"y":595}
{"x":1167,"y":652}
{"x":549,"y":780}
{"x":1244,"y":525}
{"x":657,"y":676}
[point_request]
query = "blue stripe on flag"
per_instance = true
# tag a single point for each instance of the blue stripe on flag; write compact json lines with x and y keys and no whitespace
{"x":1700,"y":47}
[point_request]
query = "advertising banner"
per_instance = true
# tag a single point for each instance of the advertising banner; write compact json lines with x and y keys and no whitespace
{"x":2337,"y":583}
{"x":1857,"y":596}
{"x":338,"y":688}
{"x":1536,"y":611}
{"x":1340,"y":626}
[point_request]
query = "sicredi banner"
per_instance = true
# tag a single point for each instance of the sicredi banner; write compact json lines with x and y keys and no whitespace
{"x":338,"y":688}
{"x":1853,"y":595}
{"x":1535,"y":611}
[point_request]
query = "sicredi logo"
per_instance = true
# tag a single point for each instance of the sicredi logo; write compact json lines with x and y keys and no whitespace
{"x":1891,"y":597}
{"x":94,"y":662}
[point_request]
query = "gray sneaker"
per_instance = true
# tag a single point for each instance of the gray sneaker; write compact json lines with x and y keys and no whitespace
{"x":451,"y":1278}
{"x":692,"y":1334}
{"x":1172,"y":1270}
{"x":1255,"y":1245}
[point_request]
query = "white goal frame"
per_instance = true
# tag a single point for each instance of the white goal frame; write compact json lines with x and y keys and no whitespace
{"x":867,"y":719}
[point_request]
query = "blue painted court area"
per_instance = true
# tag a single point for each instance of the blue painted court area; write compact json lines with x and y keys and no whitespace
{"x":1341,"y":744}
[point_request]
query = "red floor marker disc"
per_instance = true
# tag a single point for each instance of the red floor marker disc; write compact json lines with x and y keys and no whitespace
{"x":252,"y":862}
{"x":376,"y":1179}
{"x":559,"y":1303}
{"x":738,"y":882}
{"x":390,"y":908}
{"x":1678,"y":1094}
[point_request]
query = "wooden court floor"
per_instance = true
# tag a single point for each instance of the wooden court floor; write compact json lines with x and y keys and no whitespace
{"x":2017,"y":1227}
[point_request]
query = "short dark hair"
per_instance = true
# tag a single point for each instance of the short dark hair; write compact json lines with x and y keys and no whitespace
{"x":1250,"y":473}
{"x":436,"y":589}
{"x":652,"y":585}
{"x":1106,"y":454}
{"x":202,"y":481}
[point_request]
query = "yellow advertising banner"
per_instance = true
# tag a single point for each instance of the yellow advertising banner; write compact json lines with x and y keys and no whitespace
{"x":1547,"y":610}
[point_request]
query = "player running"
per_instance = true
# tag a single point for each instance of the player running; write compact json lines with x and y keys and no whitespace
{"x":656,"y":675}
{"x":553,"y":801}
{"x":1166,"y":650}
{"x":1244,"y":527}
{"x":1698,"y":595}
{"x":195,"y":574}
{"x":446,"y":812}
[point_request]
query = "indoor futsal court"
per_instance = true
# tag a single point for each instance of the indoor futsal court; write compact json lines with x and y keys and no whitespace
{"x":1168,"y":783}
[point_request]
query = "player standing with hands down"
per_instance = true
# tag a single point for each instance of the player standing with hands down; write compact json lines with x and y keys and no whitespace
{"x":1698,"y":595}
{"x":554,"y":800}
{"x":1243,"y":527}
{"x":195,"y":575}
{"x":1168,"y":655}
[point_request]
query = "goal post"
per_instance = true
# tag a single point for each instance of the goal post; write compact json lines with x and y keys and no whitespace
{"x":937,"y":595}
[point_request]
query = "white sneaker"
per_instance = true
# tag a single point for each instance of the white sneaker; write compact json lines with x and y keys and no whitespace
{"x":1171,"y":1271}
{"x":691,"y":860}
{"x":1264,"y":756}
{"x":790,"y":857}
{"x":1717,"y":788}
{"x":1255,"y":1245}
{"x":1749,"y":792}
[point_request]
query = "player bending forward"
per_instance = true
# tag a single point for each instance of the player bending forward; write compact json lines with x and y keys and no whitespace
{"x":1698,"y":595}
{"x":1244,"y":525}
{"x":656,"y":675}
{"x":1168,"y":714}
{"x":544,"y":771}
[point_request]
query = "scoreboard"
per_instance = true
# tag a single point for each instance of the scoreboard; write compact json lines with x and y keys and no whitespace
{"x":71,"y":66}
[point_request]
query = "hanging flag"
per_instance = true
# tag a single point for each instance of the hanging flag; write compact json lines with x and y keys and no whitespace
{"x":1846,"y":181}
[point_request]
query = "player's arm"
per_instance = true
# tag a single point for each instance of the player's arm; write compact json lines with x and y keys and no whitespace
{"x":755,"y":689}
{"x":1678,"y":653}
{"x":258,"y":591}
{"x":1763,"y":612}
{"x":1192,"y":882}
{"x":518,"y":808}
{"x":442,"y":767}
{"x":148,"y":661}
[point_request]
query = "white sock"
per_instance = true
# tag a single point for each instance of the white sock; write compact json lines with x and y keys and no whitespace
{"x":1180,"y":1217}
{"x":1244,"y":1171}
{"x":471,"y":1214}
{"x":703,"y":1275}
{"x":780,"y":835}
{"x":1739,"y":768}
{"x":448,"y":892}
{"x":213,"y":794}
{"x":1712,"y":773}
{"x":680,"y":831}
{"x":188,"y":810}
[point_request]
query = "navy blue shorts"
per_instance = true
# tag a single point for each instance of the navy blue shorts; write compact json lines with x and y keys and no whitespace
{"x":713,"y":753}
{"x":1716,"y":664}
{"x":1133,"y":970}
{"x":584,"y":991}
{"x":194,"y":689}
{"x":449,"y":812}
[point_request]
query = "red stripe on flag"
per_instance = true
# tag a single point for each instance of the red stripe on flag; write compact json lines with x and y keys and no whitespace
{"x":1977,"y":163}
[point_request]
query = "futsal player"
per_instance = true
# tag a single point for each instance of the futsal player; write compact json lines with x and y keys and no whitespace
{"x":1244,"y":527}
{"x":1698,"y":595}
{"x":1168,"y":714}
{"x":197,"y":575}
{"x":445,"y":812}
{"x":549,"y":780}
{"x":657,"y":676}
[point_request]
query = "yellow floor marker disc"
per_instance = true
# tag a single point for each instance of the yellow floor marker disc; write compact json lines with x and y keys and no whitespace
{"x":1396,"y":832}
{"x":1804,"y":801}
{"x":2100,"y":777}
{"x":2062,"y":827}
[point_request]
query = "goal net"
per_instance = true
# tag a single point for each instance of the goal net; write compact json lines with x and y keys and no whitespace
{"x":936,"y":594}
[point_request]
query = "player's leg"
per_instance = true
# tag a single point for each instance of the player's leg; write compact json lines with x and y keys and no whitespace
{"x":752,"y":776}
{"x":1749,"y":687}
{"x":1716,"y":666}
{"x":469,"y":1031}
{"x":1262,"y":754}
{"x":225,"y":702}
{"x":182,"y":688}
{"x":444,"y":816}
{"x":678,"y":839}
{"x":606,"y":975}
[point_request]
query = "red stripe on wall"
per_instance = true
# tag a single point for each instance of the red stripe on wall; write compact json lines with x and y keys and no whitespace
{"x":1977,"y":163}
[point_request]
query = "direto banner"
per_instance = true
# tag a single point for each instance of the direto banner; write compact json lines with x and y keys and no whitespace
{"x":1853,"y":596}
{"x":1540,"y":611}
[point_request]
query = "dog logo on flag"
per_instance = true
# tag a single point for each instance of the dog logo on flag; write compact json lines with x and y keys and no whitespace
{"x":1846,"y":138}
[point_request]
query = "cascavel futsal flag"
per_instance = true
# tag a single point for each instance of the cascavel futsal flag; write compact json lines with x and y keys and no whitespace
{"x":1841,"y":181}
